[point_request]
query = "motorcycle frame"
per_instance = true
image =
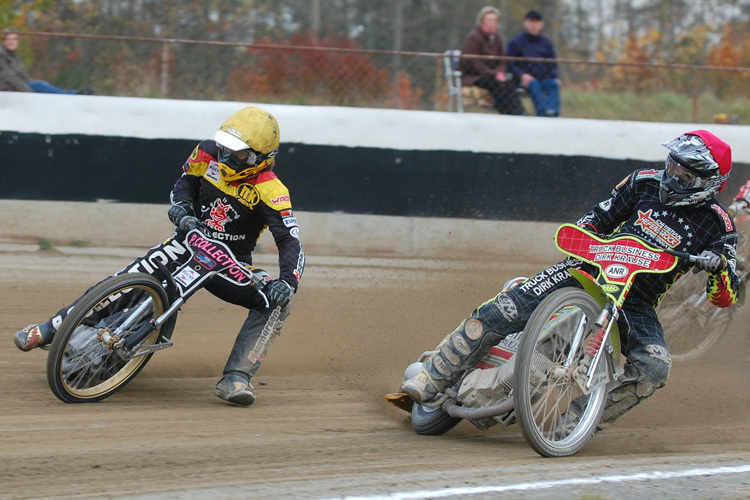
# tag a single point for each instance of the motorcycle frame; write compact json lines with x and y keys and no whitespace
{"x":201,"y":270}
{"x":609,"y":294}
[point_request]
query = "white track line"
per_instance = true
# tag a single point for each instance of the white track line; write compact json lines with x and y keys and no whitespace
{"x":642,"y":476}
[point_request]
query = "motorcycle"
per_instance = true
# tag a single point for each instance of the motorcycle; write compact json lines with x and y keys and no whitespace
{"x":115,"y":328}
{"x":692,"y":324}
{"x":569,"y":351}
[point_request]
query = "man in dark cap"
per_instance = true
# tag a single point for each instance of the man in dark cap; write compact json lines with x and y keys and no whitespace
{"x":540,"y":79}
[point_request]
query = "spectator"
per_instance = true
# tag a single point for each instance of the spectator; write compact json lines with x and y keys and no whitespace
{"x":489,"y":74}
{"x":13,"y":76}
{"x":540,"y":79}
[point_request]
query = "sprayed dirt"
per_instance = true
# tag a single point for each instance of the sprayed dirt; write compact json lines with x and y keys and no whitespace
{"x":320,"y":427}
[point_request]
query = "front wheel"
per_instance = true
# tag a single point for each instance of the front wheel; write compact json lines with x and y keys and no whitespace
{"x":431,"y":421}
{"x":81,"y":368}
{"x":555,"y":414}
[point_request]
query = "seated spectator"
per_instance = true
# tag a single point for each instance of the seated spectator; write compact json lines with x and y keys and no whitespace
{"x":13,"y":76}
{"x":540,"y":79}
{"x":489,"y":74}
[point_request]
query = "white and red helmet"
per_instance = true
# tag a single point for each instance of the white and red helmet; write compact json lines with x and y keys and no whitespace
{"x":697,"y":168}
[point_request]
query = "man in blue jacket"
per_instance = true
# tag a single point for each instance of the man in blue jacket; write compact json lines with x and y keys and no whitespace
{"x":540,"y":79}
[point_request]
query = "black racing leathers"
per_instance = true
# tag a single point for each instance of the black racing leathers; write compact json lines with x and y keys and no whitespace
{"x":635,"y":208}
{"x":238,"y":212}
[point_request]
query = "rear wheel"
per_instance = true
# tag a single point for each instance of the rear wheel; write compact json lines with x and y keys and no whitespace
{"x":81,"y":367}
{"x":555,"y":413}
{"x":431,"y":421}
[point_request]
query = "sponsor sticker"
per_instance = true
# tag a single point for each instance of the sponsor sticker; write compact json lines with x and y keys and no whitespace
{"x":616,"y":271}
{"x":724,"y":216}
{"x":248,"y":194}
{"x":212,"y":173}
{"x":234,"y":132}
{"x":657,"y":229}
{"x":281,"y":199}
{"x":221,"y":213}
{"x":204,"y":260}
{"x":290,"y":221}
{"x":653,"y":174}
{"x":186,"y":276}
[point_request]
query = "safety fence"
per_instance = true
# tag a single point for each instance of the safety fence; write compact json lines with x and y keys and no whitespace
{"x":306,"y":74}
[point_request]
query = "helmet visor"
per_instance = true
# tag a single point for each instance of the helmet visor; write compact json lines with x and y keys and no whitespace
{"x":685,"y":177}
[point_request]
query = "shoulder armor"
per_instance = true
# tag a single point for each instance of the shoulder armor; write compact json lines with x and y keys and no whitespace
{"x":201,"y":158}
{"x":724,"y":218}
{"x":272,"y":191}
{"x":650,"y":174}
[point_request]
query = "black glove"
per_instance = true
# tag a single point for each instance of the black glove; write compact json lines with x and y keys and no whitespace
{"x":280,"y":292}
{"x":180,"y":210}
{"x":713,"y":264}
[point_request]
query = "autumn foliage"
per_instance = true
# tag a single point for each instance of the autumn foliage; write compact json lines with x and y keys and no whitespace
{"x":310,"y":72}
{"x":637,"y":54}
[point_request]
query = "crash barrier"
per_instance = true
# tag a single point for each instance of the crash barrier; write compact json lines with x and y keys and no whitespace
{"x":357,"y":172}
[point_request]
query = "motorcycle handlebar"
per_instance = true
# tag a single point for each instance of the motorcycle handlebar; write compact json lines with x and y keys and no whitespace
{"x":688,"y":256}
{"x":189,"y":223}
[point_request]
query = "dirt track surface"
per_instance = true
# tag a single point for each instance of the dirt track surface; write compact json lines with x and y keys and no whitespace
{"x":320,"y":427}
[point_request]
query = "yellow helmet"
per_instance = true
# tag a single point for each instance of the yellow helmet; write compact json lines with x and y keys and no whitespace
{"x":248,"y":141}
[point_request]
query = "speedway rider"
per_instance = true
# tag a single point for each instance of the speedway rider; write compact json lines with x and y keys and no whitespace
{"x":742,"y":200}
{"x":228,"y":184}
{"x":672,"y":208}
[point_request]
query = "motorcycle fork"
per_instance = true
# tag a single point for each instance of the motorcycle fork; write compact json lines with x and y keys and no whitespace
{"x":596,"y":347}
{"x":130,"y":347}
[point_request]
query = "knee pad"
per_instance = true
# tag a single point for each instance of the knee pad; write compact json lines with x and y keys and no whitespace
{"x":653,"y":363}
{"x":646,"y":371}
{"x":460,"y":349}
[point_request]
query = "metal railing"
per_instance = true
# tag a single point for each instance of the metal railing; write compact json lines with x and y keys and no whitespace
{"x":349,"y":76}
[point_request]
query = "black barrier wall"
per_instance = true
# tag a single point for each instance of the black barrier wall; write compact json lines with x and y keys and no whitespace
{"x":322,"y":178}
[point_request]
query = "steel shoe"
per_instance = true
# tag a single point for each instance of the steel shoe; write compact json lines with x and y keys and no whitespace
{"x":236,"y":390}
{"x":420,"y":388}
{"x":565,"y":425}
{"x":32,"y":336}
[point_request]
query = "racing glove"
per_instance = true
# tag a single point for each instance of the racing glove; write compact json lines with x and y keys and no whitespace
{"x":714,"y":263}
{"x":280,"y":292}
{"x":180,"y":210}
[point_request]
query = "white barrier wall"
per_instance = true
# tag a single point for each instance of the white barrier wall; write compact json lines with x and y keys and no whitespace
{"x":142,"y":225}
{"x":355,"y":127}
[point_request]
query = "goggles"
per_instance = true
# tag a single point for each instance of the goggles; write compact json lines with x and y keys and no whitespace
{"x":687,"y":179}
{"x":247,"y":157}
{"x":244,"y":156}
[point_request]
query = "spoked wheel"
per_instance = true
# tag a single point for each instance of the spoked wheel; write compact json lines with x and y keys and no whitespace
{"x":431,"y":421}
{"x":691,"y":322}
{"x":81,"y":368}
{"x":547,"y":379}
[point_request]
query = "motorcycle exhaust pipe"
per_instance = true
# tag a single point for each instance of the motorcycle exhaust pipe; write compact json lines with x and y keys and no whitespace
{"x":451,"y":408}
